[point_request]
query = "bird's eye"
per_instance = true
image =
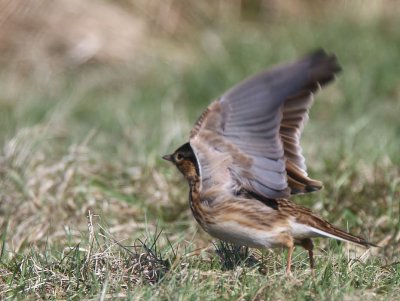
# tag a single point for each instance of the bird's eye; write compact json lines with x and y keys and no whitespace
{"x":179,"y":157}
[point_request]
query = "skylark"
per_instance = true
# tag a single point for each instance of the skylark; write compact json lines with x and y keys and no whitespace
{"x":243,"y":160}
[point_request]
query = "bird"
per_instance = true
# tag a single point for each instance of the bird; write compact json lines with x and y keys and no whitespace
{"x":243,"y":160}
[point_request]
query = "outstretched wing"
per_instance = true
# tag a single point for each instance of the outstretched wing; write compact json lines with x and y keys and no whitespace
{"x":294,"y":117}
{"x":251,"y":134}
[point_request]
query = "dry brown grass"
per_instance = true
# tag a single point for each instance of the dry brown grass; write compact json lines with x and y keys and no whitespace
{"x":101,"y":260}
{"x":45,"y":37}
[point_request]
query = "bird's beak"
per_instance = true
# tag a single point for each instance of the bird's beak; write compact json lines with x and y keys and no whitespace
{"x":167,"y":157}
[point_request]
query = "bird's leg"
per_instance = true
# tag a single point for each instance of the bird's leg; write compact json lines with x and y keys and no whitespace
{"x":309,"y":246}
{"x":289,"y":259}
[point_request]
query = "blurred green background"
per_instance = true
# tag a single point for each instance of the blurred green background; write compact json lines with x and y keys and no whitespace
{"x":93,"y":93}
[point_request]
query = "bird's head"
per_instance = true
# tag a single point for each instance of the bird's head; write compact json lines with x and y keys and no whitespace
{"x":185,"y":160}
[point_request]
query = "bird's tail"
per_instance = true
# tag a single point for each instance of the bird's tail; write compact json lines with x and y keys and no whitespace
{"x":322,"y":228}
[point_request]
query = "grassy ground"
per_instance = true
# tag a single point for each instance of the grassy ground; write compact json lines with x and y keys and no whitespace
{"x":89,"y":210}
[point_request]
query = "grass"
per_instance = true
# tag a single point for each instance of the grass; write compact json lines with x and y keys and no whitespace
{"x":89,"y":211}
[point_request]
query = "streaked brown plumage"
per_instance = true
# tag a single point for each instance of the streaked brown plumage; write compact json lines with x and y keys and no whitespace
{"x":243,"y":160}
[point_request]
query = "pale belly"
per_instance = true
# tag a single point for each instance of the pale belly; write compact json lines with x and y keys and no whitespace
{"x":231,"y":231}
{"x":234,"y":232}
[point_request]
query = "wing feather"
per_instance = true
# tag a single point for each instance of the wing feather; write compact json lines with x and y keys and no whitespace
{"x":251,"y":135}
